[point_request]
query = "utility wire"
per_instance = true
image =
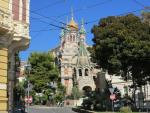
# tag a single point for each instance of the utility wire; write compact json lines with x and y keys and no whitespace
{"x":39,"y":20}
{"x":77,"y":10}
{"x":142,"y":5}
{"x":37,"y":34}
{"x":139,"y":3}
{"x":43,"y":30}
{"x":49,"y":5}
{"x":27,"y":16}
{"x":84,"y":8}
{"x":84,"y":23}
{"x":39,"y":14}
{"x":93,"y":21}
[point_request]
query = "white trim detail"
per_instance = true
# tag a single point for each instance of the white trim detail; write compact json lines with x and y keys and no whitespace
{"x":3,"y":86}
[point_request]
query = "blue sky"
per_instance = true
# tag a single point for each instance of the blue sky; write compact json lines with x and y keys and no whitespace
{"x":45,"y":12}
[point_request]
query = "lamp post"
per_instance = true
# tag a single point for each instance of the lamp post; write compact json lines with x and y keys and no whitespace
{"x":28,"y":68}
{"x":147,"y":96}
{"x":52,"y":85}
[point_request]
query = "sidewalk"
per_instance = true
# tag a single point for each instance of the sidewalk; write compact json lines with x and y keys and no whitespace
{"x":79,"y":110}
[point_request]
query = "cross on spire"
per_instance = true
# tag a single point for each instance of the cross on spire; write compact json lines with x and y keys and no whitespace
{"x":67,"y":19}
{"x":72,"y":18}
{"x":82,"y":21}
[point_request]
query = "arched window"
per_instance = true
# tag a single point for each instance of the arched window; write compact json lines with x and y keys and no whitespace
{"x":70,"y":38}
{"x":74,"y":38}
{"x":86,"y":72}
{"x":80,"y":72}
{"x":74,"y":77}
{"x":74,"y":71}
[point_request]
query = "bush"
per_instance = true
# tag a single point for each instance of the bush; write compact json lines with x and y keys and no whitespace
{"x":36,"y":100}
{"x":44,"y":99}
{"x":125,"y":109}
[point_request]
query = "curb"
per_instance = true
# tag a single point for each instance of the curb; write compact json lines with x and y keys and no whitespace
{"x":82,"y":110}
{"x":79,"y":110}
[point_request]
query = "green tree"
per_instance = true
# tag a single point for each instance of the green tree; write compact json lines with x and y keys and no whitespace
{"x":59,"y":96}
{"x":19,"y":92}
{"x":122,"y":46}
{"x":76,"y":93}
{"x":43,"y":71}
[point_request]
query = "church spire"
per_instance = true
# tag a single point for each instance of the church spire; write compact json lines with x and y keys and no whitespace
{"x":82,"y":30}
{"x":72,"y":24}
{"x":67,"y":19}
{"x":72,"y":18}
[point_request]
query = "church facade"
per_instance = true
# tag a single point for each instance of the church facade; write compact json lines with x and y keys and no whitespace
{"x":76,"y":68}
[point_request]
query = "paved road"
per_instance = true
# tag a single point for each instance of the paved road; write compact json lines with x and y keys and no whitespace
{"x":43,"y":109}
{"x":50,"y":110}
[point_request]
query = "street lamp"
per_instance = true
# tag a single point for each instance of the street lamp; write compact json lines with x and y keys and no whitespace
{"x":52,"y":85}
{"x":28,"y":68}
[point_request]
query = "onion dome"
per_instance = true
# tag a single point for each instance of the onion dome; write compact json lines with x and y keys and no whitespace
{"x":73,"y":25}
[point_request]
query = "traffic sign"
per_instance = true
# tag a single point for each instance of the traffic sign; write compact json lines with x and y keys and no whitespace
{"x":112,"y":96}
{"x":28,"y":99}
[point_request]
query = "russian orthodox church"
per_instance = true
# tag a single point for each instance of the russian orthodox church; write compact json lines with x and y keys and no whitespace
{"x":76,"y":68}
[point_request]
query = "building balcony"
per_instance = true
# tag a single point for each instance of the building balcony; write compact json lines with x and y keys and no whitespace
{"x":5,"y":22}
{"x":21,"y":38}
{"x":21,"y":29}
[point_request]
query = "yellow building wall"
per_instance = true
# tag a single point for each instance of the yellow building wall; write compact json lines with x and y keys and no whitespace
{"x":4,"y":5}
{"x":3,"y":59}
{"x":3,"y":79}
{"x":3,"y":93}
{"x":3,"y":105}
{"x":3,"y":65}
{"x":3,"y":72}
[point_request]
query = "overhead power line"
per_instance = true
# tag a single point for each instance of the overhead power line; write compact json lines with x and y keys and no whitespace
{"x":139,"y":3}
{"x":84,"y":8}
{"x":37,"y":34}
{"x":39,"y":18}
{"x":57,"y":26}
{"x":38,"y":14}
{"x":43,"y":30}
{"x":96,"y":20}
{"x":26,"y":15}
{"x":50,"y":5}
{"x":93,"y":21}
{"x":41,"y":21}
